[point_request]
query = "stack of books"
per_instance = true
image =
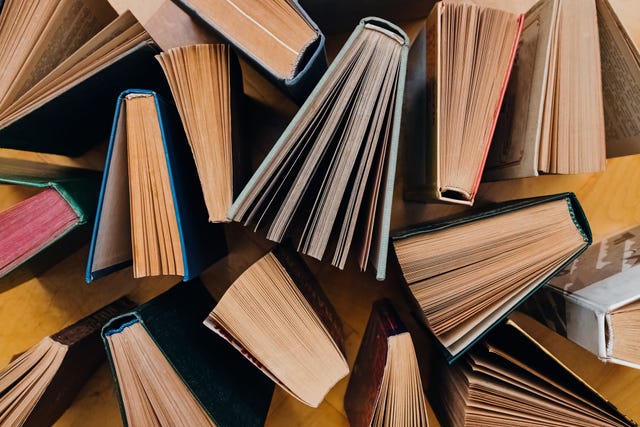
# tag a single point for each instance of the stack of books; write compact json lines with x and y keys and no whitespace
{"x":179,"y":95}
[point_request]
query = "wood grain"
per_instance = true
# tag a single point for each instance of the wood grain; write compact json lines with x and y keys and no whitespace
{"x":43,"y":305}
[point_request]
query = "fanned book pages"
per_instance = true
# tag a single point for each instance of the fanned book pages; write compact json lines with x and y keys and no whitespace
{"x":150,"y":209}
{"x":63,"y":62}
{"x":511,"y":380}
{"x":48,"y":218}
{"x":201,"y":78}
{"x":276,"y":36}
{"x":595,"y":301}
{"x":170,"y":370}
{"x":40,"y":384}
{"x":555,"y":122}
{"x":277,"y":316}
{"x":470,"y":51}
{"x":328,"y":181}
{"x":385,"y":388}
{"x":468,"y":273}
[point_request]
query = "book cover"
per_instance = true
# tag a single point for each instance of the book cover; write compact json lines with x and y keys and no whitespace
{"x":48,"y":376}
{"x":77,"y":188}
{"x":585,"y":300}
{"x":455,"y":343}
{"x":224,"y":383}
{"x":201,"y":242}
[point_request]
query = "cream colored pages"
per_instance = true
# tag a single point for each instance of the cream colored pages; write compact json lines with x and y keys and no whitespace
{"x":620,"y":63}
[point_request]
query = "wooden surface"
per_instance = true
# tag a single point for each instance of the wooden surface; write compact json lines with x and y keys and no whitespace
{"x":44,"y":305}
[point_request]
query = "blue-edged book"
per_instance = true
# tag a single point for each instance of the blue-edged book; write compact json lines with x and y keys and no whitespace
{"x":151,"y":212}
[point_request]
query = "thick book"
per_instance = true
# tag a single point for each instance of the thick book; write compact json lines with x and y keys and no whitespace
{"x":278,"y":317}
{"x":470,"y":51}
{"x":277,"y":37}
{"x":52,"y":218}
{"x":595,"y":301}
{"x":385,"y":387}
{"x":328,"y":181}
{"x":68,"y":66}
{"x":206,"y":83}
{"x":510,"y":379}
{"x":468,"y":273}
{"x":554,"y":122}
{"x":40,"y":384}
{"x":170,"y":369}
{"x":151,"y":212}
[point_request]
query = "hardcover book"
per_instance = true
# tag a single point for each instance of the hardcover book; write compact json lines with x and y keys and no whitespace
{"x":151,"y":212}
{"x":278,"y":317}
{"x":510,"y":379}
{"x":171,"y":370}
{"x":328,"y":181}
{"x":595,"y":301}
{"x":51,"y":221}
{"x":554,"y":122}
{"x":468,"y":273}
{"x":470,"y":50}
{"x":276,"y":37}
{"x":40,"y":384}
{"x":206,"y":83}
{"x":64,"y":62}
{"x":385,"y":387}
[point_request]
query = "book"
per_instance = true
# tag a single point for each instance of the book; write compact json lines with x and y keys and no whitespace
{"x":511,"y":379}
{"x":206,"y":84}
{"x":330,"y":176}
{"x":40,"y":384}
{"x":51,"y":218}
{"x":385,"y":386}
{"x":151,"y":213}
{"x":278,"y":38}
{"x":467,"y":273}
{"x":553,"y":122}
{"x":59,"y":58}
{"x":595,"y":301}
{"x":470,"y":51}
{"x":171,"y":370}
{"x":276,"y":314}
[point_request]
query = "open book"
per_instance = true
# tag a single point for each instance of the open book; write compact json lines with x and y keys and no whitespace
{"x":40,"y":384}
{"x":328,"y":181}
{"x":170,"y":370}
{"x":151,"y":209}
{"x":469,"y":53}
{"x":576,"y":80}
{"x":385,"y":387}
{"x":510,"y":379}
{"x":278,"y":317}
{"x":467,"y":273}
{"x":50,"y":220}
{"x":63,"y":63}
{"x":595,"y":301}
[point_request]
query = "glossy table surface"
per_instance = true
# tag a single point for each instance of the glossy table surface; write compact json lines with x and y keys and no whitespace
{"x":44,"y":305}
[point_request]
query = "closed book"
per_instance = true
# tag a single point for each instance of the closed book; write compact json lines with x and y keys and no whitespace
{"x":385,"y":385}
{"x":595,"y":300}
{"x":189,"y":374}
{"x":469,"y":272}
{"x":40,"y":384}
{"x":151,"y":211}
{"x":511,"y":379}
{"x":71,"y":112}
{"x":328,"y":181}
{"x":277,"y":38}
{"x":51,"y":221}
